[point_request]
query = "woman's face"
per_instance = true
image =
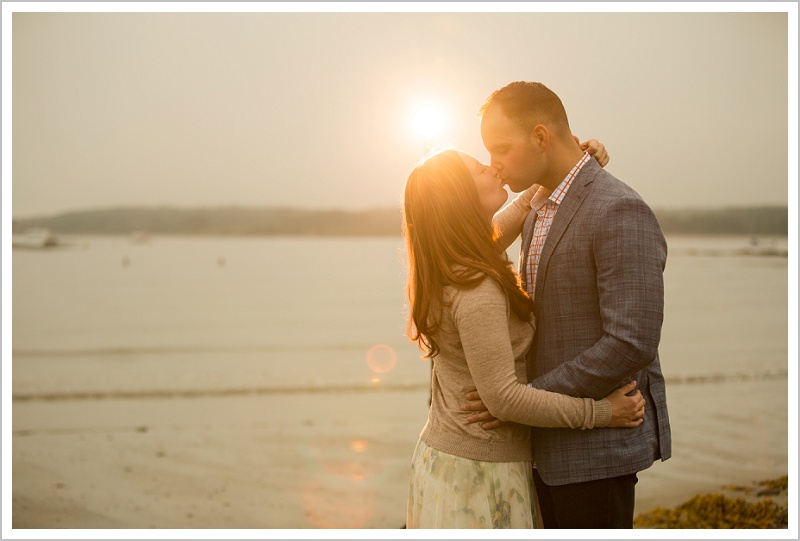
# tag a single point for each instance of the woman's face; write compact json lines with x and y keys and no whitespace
{"x":490,"y":188}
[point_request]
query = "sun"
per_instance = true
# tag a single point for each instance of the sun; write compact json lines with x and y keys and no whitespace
{"x":428,"y":121}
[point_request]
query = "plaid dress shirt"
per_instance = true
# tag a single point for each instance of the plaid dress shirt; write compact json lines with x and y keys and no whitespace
{"x":545,"y":215}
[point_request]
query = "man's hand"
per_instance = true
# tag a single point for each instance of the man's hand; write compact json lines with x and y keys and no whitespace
{"x":595,"y":148}
{"x":626,"y":411}
{"x":476,"y":404}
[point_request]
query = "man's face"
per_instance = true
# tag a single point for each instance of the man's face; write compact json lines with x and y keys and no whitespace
{"x":515,"y":156}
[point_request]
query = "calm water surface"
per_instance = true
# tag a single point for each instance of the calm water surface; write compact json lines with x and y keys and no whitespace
{"x":207,"y":313}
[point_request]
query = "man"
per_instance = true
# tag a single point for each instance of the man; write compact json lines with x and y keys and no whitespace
{"x":592,"y":260}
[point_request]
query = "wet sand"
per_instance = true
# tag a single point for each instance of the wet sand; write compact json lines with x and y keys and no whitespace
{"x":319,"y":460}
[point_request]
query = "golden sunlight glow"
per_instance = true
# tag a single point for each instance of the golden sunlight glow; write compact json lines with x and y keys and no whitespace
{"x":428,"y":121}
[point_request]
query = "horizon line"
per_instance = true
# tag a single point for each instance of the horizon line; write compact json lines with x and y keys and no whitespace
{"x":245,"y":206}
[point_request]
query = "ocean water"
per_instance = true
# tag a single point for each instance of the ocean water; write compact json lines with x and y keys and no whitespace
{"x":275,"y":314}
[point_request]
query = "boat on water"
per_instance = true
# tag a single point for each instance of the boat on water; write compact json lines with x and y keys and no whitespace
{"x":35,"y":238}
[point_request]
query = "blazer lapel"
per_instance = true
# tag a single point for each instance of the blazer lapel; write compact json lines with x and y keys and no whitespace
{"x":566,"y":212}
{"x":527,"y":235}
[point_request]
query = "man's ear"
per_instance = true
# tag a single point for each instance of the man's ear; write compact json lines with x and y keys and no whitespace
{"x":540,"y":136}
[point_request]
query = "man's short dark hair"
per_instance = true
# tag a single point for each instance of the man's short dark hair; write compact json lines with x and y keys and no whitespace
{"x":529,"y":104}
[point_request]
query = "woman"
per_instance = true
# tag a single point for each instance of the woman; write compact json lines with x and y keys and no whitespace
{"x":472,"y":318}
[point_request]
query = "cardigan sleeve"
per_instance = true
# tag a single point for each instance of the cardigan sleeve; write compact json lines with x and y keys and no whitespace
{"x":481,"y":317}
{"x":509,"y":221}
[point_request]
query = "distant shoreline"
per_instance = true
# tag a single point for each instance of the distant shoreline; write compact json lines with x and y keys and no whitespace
{"x":382,"y":222}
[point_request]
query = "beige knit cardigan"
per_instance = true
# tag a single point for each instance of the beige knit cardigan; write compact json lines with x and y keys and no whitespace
{"x":483,"y":346}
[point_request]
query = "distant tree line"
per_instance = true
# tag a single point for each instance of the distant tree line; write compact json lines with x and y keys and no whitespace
{"x":221,"y":221}
{"x":765,"y":220}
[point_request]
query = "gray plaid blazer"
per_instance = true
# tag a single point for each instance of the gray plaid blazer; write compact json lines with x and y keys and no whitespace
{"x":599,"y":305}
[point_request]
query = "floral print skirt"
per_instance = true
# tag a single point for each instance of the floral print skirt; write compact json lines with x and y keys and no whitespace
{"x":448,"y":491}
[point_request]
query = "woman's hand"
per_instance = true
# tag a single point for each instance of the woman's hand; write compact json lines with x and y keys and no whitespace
{"x":596,"y":150}
{"x":626,"y":411}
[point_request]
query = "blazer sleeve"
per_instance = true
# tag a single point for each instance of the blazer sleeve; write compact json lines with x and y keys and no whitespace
{"x":481,"y":317}
{"x":509,"y":221}
{"x":630,"y":255}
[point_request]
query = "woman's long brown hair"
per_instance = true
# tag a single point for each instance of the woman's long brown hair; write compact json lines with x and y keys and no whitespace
{"x":450,"y":241}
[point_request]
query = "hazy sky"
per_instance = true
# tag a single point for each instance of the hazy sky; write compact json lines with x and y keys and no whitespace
{"x":316,"y":109}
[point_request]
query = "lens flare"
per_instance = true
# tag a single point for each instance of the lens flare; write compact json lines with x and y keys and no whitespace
{"x":325,"y":505}
{"x":358,"y":446}
{"x":381,"y":358}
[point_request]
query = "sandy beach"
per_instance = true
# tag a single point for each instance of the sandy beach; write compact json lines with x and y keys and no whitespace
{"x":156,"y":406}
{"x":318,"y":460}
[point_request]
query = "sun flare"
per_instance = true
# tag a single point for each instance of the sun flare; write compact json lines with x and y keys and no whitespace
{"x":428,"y":121}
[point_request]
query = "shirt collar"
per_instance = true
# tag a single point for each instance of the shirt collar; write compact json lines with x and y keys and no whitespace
{"x":561,"y":191}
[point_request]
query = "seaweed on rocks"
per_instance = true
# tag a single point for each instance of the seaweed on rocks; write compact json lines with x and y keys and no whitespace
{"x":721,"y":511}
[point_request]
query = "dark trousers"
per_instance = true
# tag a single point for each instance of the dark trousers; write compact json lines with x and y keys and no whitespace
{"x":605,"y":503}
